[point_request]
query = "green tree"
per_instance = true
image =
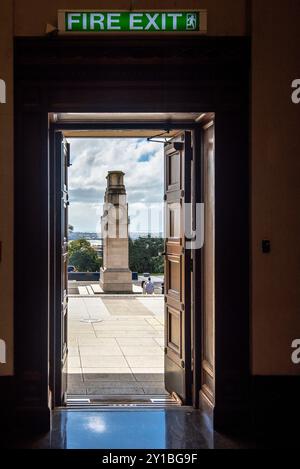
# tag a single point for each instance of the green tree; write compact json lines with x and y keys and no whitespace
{"x":145,"y":255}
{"x":83,"y":256}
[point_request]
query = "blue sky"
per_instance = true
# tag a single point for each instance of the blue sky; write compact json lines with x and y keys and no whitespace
{"x":142,"y":163}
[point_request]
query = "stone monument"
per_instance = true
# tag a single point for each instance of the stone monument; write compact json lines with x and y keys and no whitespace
{"x":115,"y":275}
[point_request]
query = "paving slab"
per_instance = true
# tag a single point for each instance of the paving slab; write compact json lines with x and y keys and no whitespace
{"x":100,"y":350}
{"x":117,"y":375}
{"x":128,"y":333}
{"x":77,"y":389}
{"x":117,"y":307}
{"x":112,"y":389}
{"x":132,"y":341}
{"x":154,"y":389}
{"x":108,"y":361}
{"x":121,"y":355}
{"x":87,"y":340}
{"x":74,"y":370}
{"x":138,"y":350}
{"x":160,"y":341}
{"x":109,"y":326}
{"x":73,"y":351}
{"x":148,"y":375}
{"x":75,"y":378}
{"x":83,"y":291}
{"x":145,"y":361}
{"x":74,"y":362}
{"x":96,"y":288}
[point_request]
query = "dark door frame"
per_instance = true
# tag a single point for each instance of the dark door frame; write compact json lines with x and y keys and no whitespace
{"x":161,"y":74}
{"x":56,"y":134}
{"x":59,"y":152}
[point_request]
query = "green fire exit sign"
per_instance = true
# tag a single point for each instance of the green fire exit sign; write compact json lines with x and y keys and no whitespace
{"x":132,"y":21}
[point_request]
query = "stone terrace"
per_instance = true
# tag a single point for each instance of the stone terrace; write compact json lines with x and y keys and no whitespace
{"x":123,"y":354}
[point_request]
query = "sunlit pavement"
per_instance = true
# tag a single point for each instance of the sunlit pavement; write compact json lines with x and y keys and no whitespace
{"x":116,"y":345}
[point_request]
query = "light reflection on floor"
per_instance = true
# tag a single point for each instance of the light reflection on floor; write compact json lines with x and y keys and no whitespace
{"x":115,"y":430}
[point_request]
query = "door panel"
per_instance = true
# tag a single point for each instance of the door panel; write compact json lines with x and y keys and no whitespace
{"x":178,"y":154}
{"x":174,"y":269}
{"x":62,"y":224}
{"x":173,"y":219}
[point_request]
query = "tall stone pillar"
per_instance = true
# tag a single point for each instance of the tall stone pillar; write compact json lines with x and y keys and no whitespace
{"x":115,"y":275}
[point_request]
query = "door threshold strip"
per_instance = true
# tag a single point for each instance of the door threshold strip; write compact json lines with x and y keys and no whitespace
{"x":122,"y":401}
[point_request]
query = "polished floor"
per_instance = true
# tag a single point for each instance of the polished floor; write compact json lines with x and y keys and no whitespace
{"x":174,"y":428}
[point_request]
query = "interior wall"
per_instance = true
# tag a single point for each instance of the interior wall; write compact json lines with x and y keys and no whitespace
{"x":275,"y":159}
{"x":224,"y":18}
{"x":275,"y":186}
{"x":6,"y":185}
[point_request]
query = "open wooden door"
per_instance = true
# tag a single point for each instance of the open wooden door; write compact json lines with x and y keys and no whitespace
{"x":178,"y":155}
{"x":62,"y":204}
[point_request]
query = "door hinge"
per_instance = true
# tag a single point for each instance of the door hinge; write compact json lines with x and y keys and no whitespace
{"x":178,"y":146}
{"x":166,"y":350}
{"x":182,"y":364}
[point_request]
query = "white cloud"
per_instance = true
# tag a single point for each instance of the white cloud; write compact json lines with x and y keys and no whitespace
{"x":142,"y":163}
{"x":85,"y":216}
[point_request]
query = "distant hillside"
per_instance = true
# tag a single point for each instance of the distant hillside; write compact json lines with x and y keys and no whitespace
{"x":91,"y":235}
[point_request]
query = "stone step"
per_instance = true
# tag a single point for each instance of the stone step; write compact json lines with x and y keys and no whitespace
{"x":96,"y":289}
{"x":90,"y":290}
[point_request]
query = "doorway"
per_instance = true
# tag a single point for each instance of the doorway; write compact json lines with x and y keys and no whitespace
{"x":116,"y":330}
{"x":161,"y":74}
{"x":167,"y":368}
